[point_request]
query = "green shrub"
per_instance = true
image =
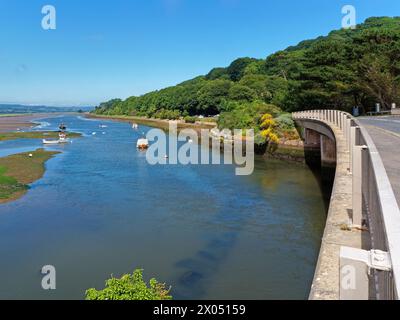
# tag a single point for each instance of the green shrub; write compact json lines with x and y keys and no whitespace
{"x":130,"y":287}
{"x":247,"y":115}
{"x":189,"y":119}
{"x":285,"y":122}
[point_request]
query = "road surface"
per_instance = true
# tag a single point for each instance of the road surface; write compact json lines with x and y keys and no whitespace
{"x":385,"y":132}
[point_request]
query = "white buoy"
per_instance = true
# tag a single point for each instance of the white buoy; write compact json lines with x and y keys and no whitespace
{"x":93,"y":133}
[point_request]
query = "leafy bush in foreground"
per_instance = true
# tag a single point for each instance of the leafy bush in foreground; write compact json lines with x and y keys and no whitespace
{"x":130,"y":287}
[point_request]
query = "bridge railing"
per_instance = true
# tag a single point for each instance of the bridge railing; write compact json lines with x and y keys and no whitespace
{"x":373,"y":204}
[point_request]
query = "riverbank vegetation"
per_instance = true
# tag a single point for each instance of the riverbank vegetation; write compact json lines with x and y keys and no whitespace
{"x":130,"y":287}
{"x":5,"y":136}
{"x":157,"y":123}
{"x":19,"y":170}
{"x":346,"y":68}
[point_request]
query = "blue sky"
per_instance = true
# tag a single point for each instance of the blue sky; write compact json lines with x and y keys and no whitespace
{"x":118,"y":48}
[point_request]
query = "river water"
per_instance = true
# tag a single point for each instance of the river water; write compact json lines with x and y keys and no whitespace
{"x":101,"y":209}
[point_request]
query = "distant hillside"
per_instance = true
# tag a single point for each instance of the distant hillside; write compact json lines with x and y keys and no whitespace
{"x":346,"y":68}
{"x":17,"y":108}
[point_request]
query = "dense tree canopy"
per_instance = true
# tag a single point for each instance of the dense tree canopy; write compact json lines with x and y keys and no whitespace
{"x":346,"y":68}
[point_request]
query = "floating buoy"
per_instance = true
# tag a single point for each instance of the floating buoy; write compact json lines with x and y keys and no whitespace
{"x":93,"y":133}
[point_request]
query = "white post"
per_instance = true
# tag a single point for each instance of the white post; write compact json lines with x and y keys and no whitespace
{"x":354,"y":280}
{"x":355,"y":266}
{"x":354,"y":134}
{"x":342,"y":120}
{"x":357,"y":170}
{"x":345,"y":127}
{"x":338,"y":118}
{"x":349,"y":133}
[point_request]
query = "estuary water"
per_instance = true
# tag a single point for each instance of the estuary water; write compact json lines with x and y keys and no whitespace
{"x":102,"y":210}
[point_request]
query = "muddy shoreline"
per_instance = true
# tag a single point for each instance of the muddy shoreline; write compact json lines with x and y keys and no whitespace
{"x":292,"y":151}
{"x":11,"y":123}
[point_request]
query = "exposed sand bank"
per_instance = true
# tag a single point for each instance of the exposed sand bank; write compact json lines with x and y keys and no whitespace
{"x":14,"y":122}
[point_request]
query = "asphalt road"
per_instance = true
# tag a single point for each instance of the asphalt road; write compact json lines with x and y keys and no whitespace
{"x":385,"y":131}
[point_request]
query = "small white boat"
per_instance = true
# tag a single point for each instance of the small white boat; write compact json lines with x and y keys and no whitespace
{"x":103,"y":126}
{"x":62,"y":139}
{"x":135,"y":126}
{"x":142,"y":144}
{"x":45,"y":141}
{"x":59,"y":141}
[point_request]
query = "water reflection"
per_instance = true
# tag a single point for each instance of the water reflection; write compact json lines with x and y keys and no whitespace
{"x":101,"y":209}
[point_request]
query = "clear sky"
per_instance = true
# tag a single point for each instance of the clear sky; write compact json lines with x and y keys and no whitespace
{"x":103,"y":49}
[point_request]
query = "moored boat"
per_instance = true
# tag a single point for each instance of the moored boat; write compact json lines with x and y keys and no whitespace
{"x":142,"y":144}
{"x":62,"y":138}
{"x":46,"y":141}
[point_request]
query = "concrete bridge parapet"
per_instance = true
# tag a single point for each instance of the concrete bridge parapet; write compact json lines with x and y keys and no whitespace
{"x":363,"y":223}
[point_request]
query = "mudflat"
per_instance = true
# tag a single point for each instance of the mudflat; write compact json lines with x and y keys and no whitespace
{"x":12,"y":123}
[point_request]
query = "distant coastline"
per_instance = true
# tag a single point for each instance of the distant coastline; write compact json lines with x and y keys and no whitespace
{"x":19,"y":109}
